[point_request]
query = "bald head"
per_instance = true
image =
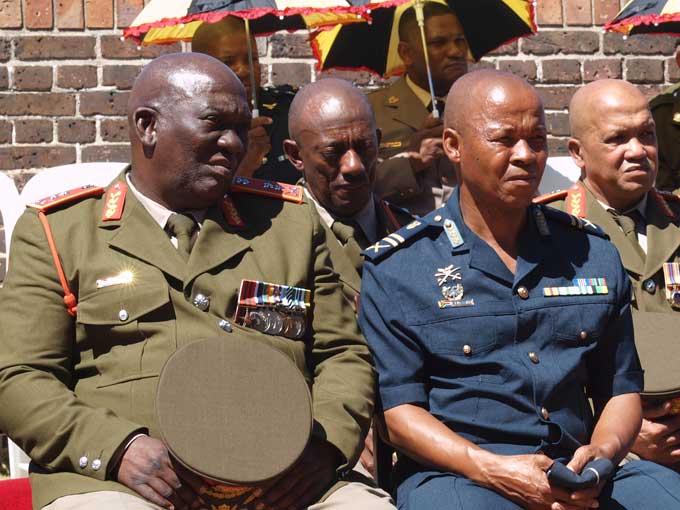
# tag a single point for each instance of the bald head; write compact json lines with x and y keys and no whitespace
{"x":324,"y":101}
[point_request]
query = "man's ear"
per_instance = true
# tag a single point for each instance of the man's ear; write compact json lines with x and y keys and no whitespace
{"x":451,"y":143}
{"x":145,"y":127}
{"x":576,"y":152}
{"x":290,"y":147}
{"x":405,"y":53}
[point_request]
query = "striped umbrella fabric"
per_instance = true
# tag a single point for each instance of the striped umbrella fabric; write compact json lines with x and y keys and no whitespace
{"x":647,"y":17}
{"x":372,"y":46}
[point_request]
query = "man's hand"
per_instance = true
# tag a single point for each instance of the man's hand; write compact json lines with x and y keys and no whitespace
{"x":259,"y":146}
{"x":426,"y":144}
{"x":305,"y":482}
{"x":146,"y":468}
{"x":659,"y":437}
{"x":368,"y":455}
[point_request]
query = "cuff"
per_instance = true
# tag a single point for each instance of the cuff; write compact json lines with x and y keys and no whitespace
{"x":412,"y":393}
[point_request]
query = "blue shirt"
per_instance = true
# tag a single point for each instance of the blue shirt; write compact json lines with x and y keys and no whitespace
{"x":495,"y":356}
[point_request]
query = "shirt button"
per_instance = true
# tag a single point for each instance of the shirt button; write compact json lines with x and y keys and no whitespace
{"x":523,"y":292}
{"x":123,"y":315}
{"x":545,"y":413}
{"x":82,"y":462}
{"x":583,"y":335}
{"x":534,"y":358}
{"x":96,"y":464}
{"x":467,"y":350}
{"x":201,"y":302}
{"x":649,"y":286}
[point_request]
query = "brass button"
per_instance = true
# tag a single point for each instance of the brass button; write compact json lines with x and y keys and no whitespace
{"x":534,"y":358}
{"x":583,"y":335}
{"x":437,"y":218}
{"x":545,"y":413}
{"x":467,"y":350}
{"x":523,"y":292}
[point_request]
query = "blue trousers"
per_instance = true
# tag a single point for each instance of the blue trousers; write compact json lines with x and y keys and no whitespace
{"x":638,"y":485}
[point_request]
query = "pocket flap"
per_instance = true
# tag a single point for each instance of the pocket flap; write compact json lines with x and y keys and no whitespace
{"x":121,"y":305}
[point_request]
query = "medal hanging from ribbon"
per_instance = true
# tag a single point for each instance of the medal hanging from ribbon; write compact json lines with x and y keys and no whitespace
{"x":671,"y":276}
{"x":273,"y":309}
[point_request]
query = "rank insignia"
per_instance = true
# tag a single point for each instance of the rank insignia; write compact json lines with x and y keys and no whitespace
{"x":115,"y":202}
{"x":231,"y":213}
{"x":671,"y":276}
{"x":272,"y":308}
{"x":579,"y":287}
{"x":269,"y":106}
{"x":393,"y":100}
{"x":391,"y":145}
{"x":447,"y":278}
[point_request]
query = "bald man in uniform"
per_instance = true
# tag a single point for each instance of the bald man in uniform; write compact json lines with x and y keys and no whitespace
{"x":613,"y":142}
{"x":149,"y":265}
{"x":413,"y":172}
{"x":264,"y":159}
{"x":483,"y":362}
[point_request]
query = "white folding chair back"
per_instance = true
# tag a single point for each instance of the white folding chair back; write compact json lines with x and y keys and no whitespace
{"x":11,"y":206}
{"x":560,"y":173}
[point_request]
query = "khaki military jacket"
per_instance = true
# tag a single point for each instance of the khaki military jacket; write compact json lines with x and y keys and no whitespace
{"x":663,"y":243}
{"x":72,"y":389}
{"x":666,"y":112}
{"x":399,"y":113}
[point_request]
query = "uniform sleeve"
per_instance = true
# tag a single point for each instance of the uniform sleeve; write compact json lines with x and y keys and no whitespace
{"x":613,"y":366}
{"x":38,"y":408}
{"x":395,"y":180}
{"x":343,"y":389}
{"x":399,"y":358}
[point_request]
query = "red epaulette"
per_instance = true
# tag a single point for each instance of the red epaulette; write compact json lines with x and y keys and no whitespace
{"x":48,"y":203}
{"x":661,"y":197}
{"x":668,"y":196}
{"x":549,"y":197}
{"x":272,"y":189}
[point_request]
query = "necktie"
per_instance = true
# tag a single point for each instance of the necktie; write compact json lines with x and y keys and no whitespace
{"x":349,"y":236}
{"x":182,"y":227}
{"x":628,"y":222}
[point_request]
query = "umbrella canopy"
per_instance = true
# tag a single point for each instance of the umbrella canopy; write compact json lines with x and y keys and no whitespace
{"x":647,"y":17}
{"x":487,"y":25}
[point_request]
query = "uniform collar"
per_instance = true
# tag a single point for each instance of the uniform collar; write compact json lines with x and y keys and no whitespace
{"x":422,"y":94}
{"x":640,"y":207}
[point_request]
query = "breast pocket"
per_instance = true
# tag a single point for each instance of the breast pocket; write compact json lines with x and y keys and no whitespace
{"x":579,"y":324}
{"x":119,"y":323}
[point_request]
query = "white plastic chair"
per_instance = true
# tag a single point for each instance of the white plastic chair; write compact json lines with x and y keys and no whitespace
{"x":560,"y":173}
{"x":46,"y":183}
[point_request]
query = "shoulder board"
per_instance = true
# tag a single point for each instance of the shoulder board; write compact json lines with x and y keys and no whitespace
{"x":67,"y":197}
{"x":392,"y":242}
{"x":573,"y":221}
{"x":661,"y":197}
{"x":668,"y":196}
{"x":550,"y":197}
{"x":271,"y":189}
{"x":665,"y":98}
{"x":404,"y":218}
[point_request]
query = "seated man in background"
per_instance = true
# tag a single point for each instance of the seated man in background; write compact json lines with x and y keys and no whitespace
{"x":226,"y":41}
{"x":614,"y":143}
{"x":483,"y":360}
{"x":156,"y":261}
{"x":413,"y":171}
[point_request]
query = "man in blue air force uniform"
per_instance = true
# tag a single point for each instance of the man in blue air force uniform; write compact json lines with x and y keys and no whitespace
{"x":493,"y":320}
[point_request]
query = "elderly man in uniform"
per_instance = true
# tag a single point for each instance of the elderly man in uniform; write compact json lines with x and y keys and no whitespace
{"x":614,"y":143}
{"x":226,"y":41}
{"x":413,"y":171}
{"x":493,"y":320}
{"x":155,"y":262}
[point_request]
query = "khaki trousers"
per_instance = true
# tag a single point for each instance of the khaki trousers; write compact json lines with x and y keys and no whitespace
{"x":353,"y":496}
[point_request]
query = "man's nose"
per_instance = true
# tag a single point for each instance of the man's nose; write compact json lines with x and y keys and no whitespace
{"x":351,"y":164}
{"x":635,"y":149}
{"x":523,"y":153}
{"x":232,"y":142}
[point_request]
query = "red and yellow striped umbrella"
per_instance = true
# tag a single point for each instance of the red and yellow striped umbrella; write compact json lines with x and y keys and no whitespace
{"x":647,"y":17}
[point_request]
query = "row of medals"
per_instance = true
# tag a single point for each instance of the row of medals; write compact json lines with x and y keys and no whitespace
{"x":272,"y":321}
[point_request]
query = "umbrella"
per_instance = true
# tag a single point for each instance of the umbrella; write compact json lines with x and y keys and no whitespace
{"x":647,"y":17}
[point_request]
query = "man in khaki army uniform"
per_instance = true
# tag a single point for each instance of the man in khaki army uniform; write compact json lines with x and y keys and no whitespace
{"x":156,"y":261}
{"x":413,"y":172}
{"x":613,"y":142}
{"x":666,"y":112}
{"x":264,"y":159}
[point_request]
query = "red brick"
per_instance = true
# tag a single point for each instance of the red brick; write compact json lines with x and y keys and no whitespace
{"x":549,"y":12}
{"x":295,"y":74}
{"x":10,"y":14}
{"x":70,"y":14}
{"x":673,"y":70}
{"x":4,"y":78}
{"x":578,"y":12}
{"x":566,"y":42}
{"x":121,"y":76}
{"x":113,"y":48}
{"x":114,"y":130}
{"x":556,"y":98}
{"x":32,"y":78}
{"x":476,"y":66}
{"x":127,"y":11}
{"x":641,"y":44}
{"x":5,"y":132}
{"x":359,"y":78}
{"x":602,"y":68}
{"x":558,"y":124}
{"x":506,"y":49}
{"x":291,"y":46}
{"x":524,"y":68}
{"x":113,"y":152}
{"x":39,"y":156}
{"x":104,"y":103}
{"x":39,"y":14}
{"x":640,"y":70}
{"x":561,"y":71}
{"x":33,"y":130}
{"x":651,"y":90}
{"x":99,"y":13}
{"x":605,"y":10}
{"x":558,"y":146}
{"x":54,"y":47}
{"x":76,"y":130}
{"x":55,"y":103}
{"x":77,"y":77}
{"x":5,"y":49}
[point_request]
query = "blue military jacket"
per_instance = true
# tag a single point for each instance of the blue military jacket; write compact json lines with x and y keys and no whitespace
{"x":507,"y":361}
